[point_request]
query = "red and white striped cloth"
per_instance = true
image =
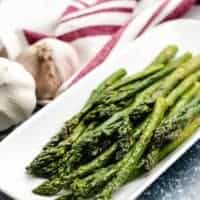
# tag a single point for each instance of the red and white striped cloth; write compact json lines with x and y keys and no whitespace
{"x":97,"y":29}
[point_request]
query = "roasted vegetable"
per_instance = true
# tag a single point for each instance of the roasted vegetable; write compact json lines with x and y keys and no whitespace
{"x":125,"y":172}
{"x":170,"y":129}
{"x":128,"y":125}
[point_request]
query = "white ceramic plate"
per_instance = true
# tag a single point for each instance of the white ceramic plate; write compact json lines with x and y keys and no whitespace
{"x":17,"y":151}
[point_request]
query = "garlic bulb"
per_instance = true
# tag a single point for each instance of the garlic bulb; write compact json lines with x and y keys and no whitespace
{"x":17,"y":91}
{"x":12,"y":43}
{"x":51,"y":62}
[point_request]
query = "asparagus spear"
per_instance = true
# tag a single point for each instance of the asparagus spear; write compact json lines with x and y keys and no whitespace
{"x":169,"y":68}
{"x":169,"y":131}
{"x":169,"y":128}
{"x":114,"y":101}
{"x":100,"y":139}
{"x":160,"y":153}
{"x":140,"y":98}
{"x":153,"y":155}
{"x":172,"y":65}
{"x":56,"y":184}
{"x":70,"y":132}
{"x":102,"y":112}
{"x":187,"y":96}
{"x":67,"y":196}
{"x":53,"y":186}
{"x":169,"y":83}
{"x":106,"y":130}
{"x":71,"y":124}
{"x":163,"y":58}
{"x":126,"y":87}
{"x":182,"y":87}
{"x":116,"y":96}
{"x":165,"y":55}
{"x":137,"y":152}
{"x":140,"y":111}
{"x":64,"y":133}
{"x":108,"y":82}
{"x":196,"y":88}
{"x":89,"y":138}
{"x":42,"y":165}
{"x":138,"y":76}
{"x":186,"y":133}
{"x":93,"y":183}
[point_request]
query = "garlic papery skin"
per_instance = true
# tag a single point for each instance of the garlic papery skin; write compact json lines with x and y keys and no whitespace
{"x":12,"y":43}
{"x":17,"y":91}
{"x":51,"y":62}
{"x":3,"y":51}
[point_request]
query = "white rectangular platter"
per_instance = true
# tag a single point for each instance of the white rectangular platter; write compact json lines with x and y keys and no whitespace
{"x":25,"y":142}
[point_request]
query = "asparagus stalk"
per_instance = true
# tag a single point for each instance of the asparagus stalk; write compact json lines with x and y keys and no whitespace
{"x":51,"y":187}
{"x":108,"y":82}
{"x":114,"y":101}
{"x":67,"y":196}
{"x":160,"y":153}
{"x":89,"y":138}
{"x":137,"y":152}
{"x":100,"y":139}
{"x":169,"y":128}
{"x":186,"y":133}
{"x":64,"y":133}
{"x":69,"y":133}
{"x":138,"y":76}
{"x":182,"y":87}
{"x":95,"y":180}
{"x":93,"y":183}
{"x":187,"y":96}
{"x":42,"y":165}
{"x":130,"y":104}
{"x":71,"y":124}
{"x":174,"y":64}
{"x":104,"y":111}
{"x":126,"y":86}
{"x":179,"y":74}
{"x":117,"y":96}
{"x":165,"y":55}
{"x":168,"y":85}
{"x":153,"y":156}
{"x":106,"y":129}
{"x":163,"y":58}
{"x":169,"y":131}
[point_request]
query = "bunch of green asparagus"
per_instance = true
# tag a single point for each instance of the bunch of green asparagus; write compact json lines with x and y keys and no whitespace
{"x":127,"y":126}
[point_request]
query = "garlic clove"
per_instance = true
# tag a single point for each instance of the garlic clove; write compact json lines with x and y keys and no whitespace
{"x":51,"y":62}
{"x":3,"y":51}
{"x":17,"y":91}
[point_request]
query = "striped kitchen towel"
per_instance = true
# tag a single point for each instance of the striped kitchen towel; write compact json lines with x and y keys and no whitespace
{"x":98,"y":29}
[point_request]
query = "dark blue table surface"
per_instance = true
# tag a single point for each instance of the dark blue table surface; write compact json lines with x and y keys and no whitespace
{"x":180,"y":182}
